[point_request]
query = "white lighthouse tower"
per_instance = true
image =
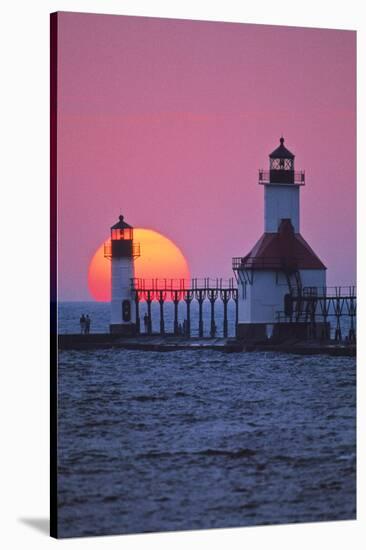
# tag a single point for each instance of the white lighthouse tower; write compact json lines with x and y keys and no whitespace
{"x":122,"y":251}
{"x":281,"y":264}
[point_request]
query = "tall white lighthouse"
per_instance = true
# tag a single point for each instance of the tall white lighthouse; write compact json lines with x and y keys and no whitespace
{"x":281,"y":264}
{"x":122,"y":251}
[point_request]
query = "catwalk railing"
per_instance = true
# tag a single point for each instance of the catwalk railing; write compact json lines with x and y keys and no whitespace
{"x":271,"y":263}
{"x":281,"y":176}
{"x":187,"y":291}
{"x":314,"y":305}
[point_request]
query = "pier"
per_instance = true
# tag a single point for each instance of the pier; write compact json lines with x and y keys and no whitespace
{"x":92,"y":342}
{"x":313,"y":321}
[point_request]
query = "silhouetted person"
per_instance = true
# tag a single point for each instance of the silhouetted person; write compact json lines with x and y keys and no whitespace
{"x":87,"y":324}
{"x":82,"y":324}
{"x":146,"y":322}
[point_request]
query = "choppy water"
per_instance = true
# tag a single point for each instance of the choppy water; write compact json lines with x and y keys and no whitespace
{"x":154,"y":441}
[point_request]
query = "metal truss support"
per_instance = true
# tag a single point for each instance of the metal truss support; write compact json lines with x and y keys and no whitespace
{"x":212,"y":295}
{"x":137,"y":310}
{"x":162,"y":297}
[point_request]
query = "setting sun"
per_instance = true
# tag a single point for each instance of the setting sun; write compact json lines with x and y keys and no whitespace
{"x":160,"y":258}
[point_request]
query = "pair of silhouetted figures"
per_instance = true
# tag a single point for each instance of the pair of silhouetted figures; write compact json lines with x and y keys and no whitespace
{"x":85,"y":324}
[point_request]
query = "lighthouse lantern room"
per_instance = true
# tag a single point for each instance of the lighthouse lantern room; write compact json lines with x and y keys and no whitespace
{"x":281,"y":263}
{"x":122,"y":251}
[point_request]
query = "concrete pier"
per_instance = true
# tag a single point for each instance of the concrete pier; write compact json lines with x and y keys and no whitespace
{"x":175,"y":343}
{"x":145,"y":342}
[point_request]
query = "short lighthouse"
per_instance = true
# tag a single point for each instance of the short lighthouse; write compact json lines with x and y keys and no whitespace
{"x":122,"y":250}
{"x":281,"y":264}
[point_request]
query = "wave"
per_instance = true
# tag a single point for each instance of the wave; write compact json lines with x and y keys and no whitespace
{"x":233,"y":454}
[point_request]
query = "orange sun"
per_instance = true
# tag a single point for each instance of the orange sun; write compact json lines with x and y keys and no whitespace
{"x":160,"y":259}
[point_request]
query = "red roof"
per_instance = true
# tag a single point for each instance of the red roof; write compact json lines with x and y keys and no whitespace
{"x":283,"y":250}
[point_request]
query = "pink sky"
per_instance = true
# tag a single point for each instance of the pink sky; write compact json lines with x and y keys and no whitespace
{"x":168,"y":122}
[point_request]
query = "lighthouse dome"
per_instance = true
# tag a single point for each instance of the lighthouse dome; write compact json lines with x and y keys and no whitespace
{"x":121,"y":224}
{"x":281,"y":152}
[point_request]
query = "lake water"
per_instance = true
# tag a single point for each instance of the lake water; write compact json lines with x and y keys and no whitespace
{"x":152,"y":441}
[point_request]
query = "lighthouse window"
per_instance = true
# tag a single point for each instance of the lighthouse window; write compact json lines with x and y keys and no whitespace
{"x":288,"y":164}
{"x":244,"y":287}
{"x":282,"y":164}
{"x":122,"y":234}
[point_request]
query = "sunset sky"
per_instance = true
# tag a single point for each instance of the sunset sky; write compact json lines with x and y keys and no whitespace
{"x":168,"y":121}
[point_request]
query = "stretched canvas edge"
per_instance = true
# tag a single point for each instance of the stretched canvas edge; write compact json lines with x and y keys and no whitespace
{"x":53,"y":273}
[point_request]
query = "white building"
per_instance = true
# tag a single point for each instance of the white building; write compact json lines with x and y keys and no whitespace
{"x":122,"y":251}
{"x":281,"y":263}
